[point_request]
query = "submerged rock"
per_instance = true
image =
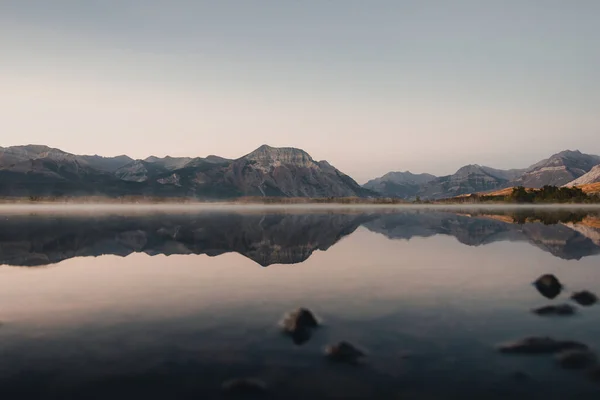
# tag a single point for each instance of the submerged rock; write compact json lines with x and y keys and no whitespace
{"x":344,"y":352}
{"x":244,"y":386}
{"x":576,"y":359}
{"x":548,"y":285}
{"x":539,"y":345}
{"x":560,"y":309}
{"x":584,"y":298}
{"x":299,"y":325}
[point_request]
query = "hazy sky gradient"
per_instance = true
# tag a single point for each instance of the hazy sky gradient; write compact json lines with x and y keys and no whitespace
{"x":372,"y":86}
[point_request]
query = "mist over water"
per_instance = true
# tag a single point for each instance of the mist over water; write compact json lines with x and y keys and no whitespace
{"x":173,"y":301}
{"x":105,"y":208}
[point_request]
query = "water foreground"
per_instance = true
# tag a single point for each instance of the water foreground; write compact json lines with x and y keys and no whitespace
{"x":175,"y":303}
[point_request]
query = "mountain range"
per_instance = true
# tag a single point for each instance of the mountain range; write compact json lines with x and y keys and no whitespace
{"x":37,"y":170}
{"x":567,"y":168}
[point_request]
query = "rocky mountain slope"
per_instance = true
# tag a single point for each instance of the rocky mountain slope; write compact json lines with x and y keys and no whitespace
{"x":468,"y":179}
{"x":593,"y":176}
{"x":403,"y":185}
{"x":268,"y":171}
{"x":557,"y":170}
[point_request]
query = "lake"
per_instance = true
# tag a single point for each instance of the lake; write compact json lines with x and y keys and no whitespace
{"x":172,"y":303}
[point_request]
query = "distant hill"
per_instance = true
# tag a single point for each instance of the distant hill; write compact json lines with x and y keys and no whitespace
{"x":468,"y":179}
{"x":404,"y":185}
{"x":36,"y":170}
{"x":557,"y":170}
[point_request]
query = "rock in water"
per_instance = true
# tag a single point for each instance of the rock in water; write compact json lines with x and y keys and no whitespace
{"x":540,"y":345}
{"x":299,"y":325}
{"x":584,"y":298}
{"x":548,"y":285}
{"x":301,"y":318}
{"x":560,"y":309}
{"x":344,"y":352}
{"x":576,"y":359}
{"x":245,"y":387}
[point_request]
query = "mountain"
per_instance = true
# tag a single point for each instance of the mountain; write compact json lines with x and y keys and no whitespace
{"x":468,"y":179}
{"x":510,"y":174}
{"x":35,"y":170}
{"x":406,"y":185}
{"x":593,"y":176}
{"x":558,"y":170}
{"x":169,"y":163}
{"x":403,"y":185}
{"x":289,"y":172}
{"x":107,"y":164}
{"x":140,"y":171}
{"x":42,"y":171}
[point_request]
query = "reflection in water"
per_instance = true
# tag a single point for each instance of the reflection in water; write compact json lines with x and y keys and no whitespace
{"x":266,"y":239}
{"x":430,"y":310}
{"x":280,"y":238}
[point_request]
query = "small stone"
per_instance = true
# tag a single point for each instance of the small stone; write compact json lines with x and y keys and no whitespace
{"x":548,"y":285}
{"x":584,"y":298}
{"x":344,"y":352}
{"x":576,"y":359}
{"x":299,"y":324}
{"x":301,"y":318}
{"x":244,"y":386}
{"x":560,"y":309}
{"x":539,"y":345}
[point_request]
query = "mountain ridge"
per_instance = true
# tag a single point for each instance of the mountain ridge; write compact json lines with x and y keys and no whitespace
{"x":35,"y":170}
{"x":557,"y":170}
{"x":40,"y":170}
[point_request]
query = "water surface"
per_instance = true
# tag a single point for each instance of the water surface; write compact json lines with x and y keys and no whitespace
{"x":162,"y":305}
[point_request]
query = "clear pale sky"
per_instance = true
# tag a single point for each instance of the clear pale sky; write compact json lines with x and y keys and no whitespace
{"x":371,"y":86}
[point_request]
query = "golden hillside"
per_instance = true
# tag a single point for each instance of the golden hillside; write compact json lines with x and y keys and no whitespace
{"x":590,"y":188}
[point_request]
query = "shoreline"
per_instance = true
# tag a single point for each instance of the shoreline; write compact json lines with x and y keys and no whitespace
{"x":73,"y":207}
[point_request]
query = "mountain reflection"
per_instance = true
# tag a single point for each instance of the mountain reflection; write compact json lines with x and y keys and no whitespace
{"x":280,"y":238}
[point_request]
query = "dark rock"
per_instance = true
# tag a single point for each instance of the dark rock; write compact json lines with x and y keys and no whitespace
{"x":540,"y":345}
{"x":560,"y":309}
{"x":299,"y":325}
{"x":548,"y":285}
{"x":299,"y":319}
{"x":584,"y":298}
{"x":344,"y":352}
{"x":576,"y":359}
{"x":245,"y":387}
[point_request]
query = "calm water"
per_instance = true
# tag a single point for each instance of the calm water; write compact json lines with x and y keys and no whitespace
{"x":171,"y":305}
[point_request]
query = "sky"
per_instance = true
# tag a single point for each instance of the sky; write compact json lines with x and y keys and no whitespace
{"x":370,"y":86}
